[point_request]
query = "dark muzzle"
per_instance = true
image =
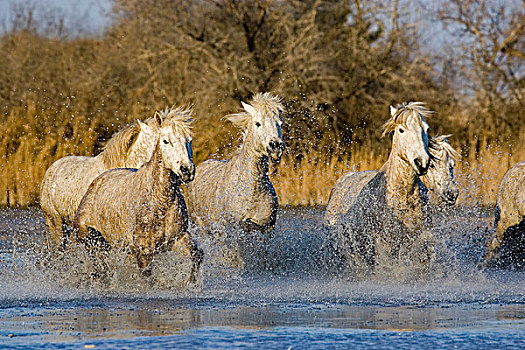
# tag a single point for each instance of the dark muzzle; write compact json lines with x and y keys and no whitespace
{"x":187,"y":173}
{"x":276,"y":149}
{"x":450,"y":196}
{"x":421,"y":168}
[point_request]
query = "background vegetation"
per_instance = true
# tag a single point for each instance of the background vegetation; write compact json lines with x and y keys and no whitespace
{"x":338,"y":64}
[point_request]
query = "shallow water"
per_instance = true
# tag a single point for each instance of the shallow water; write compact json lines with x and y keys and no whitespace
{"x":296,"y":305}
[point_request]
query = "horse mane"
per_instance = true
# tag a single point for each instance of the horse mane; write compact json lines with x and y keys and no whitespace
{"x":116,"y":149}
{"x":178,"y":117}
{"x":264,"y":103}
{"x":405,"y":112}
{"x":440,"y":143}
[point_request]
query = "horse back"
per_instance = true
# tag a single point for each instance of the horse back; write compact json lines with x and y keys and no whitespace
{"x":65,"y":183}
{"x":345,"y":193}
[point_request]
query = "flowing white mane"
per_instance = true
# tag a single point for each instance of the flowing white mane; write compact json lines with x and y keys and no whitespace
{"x":439,"y":144}
{"x":264,"y":104}
{"x":405,"y":113}
{"x":179,"y":117}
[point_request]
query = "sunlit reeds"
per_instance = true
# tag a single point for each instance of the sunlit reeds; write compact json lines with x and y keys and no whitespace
{"x":28,"y":147}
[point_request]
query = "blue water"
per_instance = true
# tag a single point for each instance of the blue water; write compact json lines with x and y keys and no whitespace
{"x":295,"y":306}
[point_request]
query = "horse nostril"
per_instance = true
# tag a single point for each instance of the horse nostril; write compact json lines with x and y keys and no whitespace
{"x":451,"y":195}
{"x":188,"y":172}
{"x":274,"y":145}
{"x":421,"y":168}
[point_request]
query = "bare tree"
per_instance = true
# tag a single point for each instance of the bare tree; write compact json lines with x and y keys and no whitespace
{"x":491,"y":59}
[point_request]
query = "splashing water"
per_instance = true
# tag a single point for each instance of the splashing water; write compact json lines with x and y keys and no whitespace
{"x":285,"y":294}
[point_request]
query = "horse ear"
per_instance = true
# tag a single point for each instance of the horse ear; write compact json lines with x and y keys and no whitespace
{"x":239,"y":119}
{"x":393,"y":110}
{"x":248,"y":108}
{"x":145,"y":128}
{"x":158,"y":118}
{"x":134,"y":135}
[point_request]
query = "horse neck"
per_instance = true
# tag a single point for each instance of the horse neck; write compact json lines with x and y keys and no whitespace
{"x":162,"y":177}
{"x":403,"y":191}
{"x":250,"y":163}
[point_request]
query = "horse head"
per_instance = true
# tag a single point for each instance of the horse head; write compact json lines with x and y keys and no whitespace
{"x":175,"y":142}
{"x":440,"y":175}
{"x":262,"y":121}
{"x":410,"y":135}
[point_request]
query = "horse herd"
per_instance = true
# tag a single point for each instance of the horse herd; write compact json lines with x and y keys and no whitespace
{"x":142,"y":189}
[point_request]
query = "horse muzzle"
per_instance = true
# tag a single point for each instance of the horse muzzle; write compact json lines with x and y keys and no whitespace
{"x":275,"y":150}
{"x":187,"y":173}
{"x":421,"y":166}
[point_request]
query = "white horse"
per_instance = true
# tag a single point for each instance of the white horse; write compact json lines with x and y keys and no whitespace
{"x":388,"y":211}
{"x":238,"y":191}
{"x":439,"y":179}
{"x":506,"y":246}
{"x":67,"y":180}
{"x":143,"y":209}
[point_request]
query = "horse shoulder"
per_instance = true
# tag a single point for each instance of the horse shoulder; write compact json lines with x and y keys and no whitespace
{"x":344,"y":193}
{"x":109,"y":203}
{"x":202,"y":190}
{"x":511,"y":195}
{"x":207,"y":175}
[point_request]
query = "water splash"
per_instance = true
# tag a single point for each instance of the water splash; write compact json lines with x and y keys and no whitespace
{"x":292,"y":268}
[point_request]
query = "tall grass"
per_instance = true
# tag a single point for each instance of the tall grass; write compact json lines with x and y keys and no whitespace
{"x":478,"y":174}
{"x":28,"y":147}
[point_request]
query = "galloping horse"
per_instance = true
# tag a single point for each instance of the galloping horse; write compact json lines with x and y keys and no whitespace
{"x":238,"y":191}
{"x":388,"y":211}
{"x":67,"y":180}
{"x":506,"y":246}
{"x":144,"y":209}
{"x":439,"y":179}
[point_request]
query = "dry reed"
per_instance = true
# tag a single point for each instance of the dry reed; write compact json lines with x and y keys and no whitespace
{"x":29,"y":147}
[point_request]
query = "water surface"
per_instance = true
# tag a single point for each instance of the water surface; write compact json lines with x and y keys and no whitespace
{"x":298,"y":304}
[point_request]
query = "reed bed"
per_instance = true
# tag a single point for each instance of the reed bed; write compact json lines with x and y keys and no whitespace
{"x":28,"y":147}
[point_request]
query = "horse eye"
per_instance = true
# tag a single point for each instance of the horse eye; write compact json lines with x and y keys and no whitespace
{"x":431,"y":166}
{"x":257,"y":124}
{"x":401,"y":130}
{"x":165,"y":142}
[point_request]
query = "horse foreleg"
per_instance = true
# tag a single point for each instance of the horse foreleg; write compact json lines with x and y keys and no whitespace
{"x":97,"y":248}
{"x":144,"y":259}
{"x":496,"y":240}
{"x":54,"y":236}
{"x":189,"y":248}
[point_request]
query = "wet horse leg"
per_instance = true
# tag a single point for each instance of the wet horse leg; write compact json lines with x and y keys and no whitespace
{"x":54,"y":237}
{"x":97,"y":248}
{"x":189,"y":248}
{"x":144,"y":259}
